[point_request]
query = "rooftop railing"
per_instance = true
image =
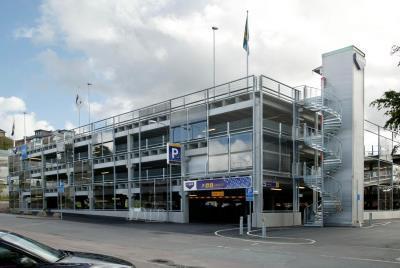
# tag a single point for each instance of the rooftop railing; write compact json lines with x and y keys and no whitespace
{"x":234,"y":87}
{"x":277,"y":89}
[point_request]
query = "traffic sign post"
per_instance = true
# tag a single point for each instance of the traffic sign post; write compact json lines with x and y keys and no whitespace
{"x":250,"y":199}
{"x":61,"y":191}
{"x":174,"y":157}
{"x":249,"y":194}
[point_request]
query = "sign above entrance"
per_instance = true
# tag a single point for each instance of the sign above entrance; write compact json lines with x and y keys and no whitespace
{"x":218,"y":184}
{"x":217,"y":193}
{"x":174,"y":153}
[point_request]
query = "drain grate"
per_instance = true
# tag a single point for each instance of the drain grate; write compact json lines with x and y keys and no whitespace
{"x":162,"y":261}
{"x":172,"y":264}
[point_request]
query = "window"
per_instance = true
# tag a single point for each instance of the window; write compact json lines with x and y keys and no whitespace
{"x":179,"y":134}
{"x":277,"y":152}
{"x":108,"y":148}
{"x":96,"y":151}
{"x":196,"y":164}
{"x":218,"y":151}
{"x":45,"y":252}
{"x":197,"y":130}
{"x":9,"y":258}
{"x":241,"y":150}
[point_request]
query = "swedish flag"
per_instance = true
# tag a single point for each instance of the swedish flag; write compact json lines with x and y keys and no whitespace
{"x":246,"y":36}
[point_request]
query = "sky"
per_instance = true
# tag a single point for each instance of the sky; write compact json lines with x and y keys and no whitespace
{"x":136,"y":53}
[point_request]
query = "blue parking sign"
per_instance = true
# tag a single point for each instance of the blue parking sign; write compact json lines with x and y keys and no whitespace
{"x":24,"y":152}
{"x":249,"y":194}
{"x":174,"y":153}
{"x":61,"y":187}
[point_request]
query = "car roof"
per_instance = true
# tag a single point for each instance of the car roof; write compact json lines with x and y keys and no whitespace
{"x":4,"y":232}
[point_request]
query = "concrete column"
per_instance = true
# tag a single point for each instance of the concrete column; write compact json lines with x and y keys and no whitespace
{"x":129,"y":167}
{"x":343,"y":70}
{"x":257,"y":155}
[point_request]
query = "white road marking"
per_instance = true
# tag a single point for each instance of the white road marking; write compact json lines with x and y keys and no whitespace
{"x":359,"y":259}
{"x":376,"y":225}
{"x":310,"y":241}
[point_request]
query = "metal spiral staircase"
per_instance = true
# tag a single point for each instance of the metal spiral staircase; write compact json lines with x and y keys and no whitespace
{"x":320,"y":178}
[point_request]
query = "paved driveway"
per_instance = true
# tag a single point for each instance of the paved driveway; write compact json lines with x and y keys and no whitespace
{"x":197,"y":245}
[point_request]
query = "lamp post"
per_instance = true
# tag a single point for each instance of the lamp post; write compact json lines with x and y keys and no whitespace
{"x":169,"y":192}
{"x":24,"y":129}
{"x":88,"y":97}
{"x":214,"y":28}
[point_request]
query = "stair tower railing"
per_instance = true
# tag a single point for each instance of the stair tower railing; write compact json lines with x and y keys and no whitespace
{"x":321,"y":179}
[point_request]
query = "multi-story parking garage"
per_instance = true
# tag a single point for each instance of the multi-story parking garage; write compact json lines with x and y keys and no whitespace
{"x":287,"y":155}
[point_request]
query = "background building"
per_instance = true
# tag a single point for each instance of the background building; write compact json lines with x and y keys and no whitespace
{"x":287,"y":155}
{"x":5,"y":144}
{"x":382,"y":172}
{"x":3,"y":175}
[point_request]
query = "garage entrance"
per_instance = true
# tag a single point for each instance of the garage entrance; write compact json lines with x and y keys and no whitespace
{"x":219,"y":206}
{"x":51,"y":202}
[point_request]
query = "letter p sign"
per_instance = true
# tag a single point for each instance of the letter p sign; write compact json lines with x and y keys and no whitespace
{"x":174,"y":153}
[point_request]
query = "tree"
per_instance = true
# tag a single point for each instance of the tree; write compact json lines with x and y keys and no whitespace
{"x":390,"y":102}
{"x":5,"y":143}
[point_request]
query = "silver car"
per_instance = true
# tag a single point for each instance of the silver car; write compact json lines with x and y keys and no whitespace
{"x":19,"y":251}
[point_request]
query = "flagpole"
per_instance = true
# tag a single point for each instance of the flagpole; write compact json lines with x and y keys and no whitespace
{"x":12,"y":132}
{"x":88,"y":95}
{"x":247,"y":52}
{"x":79,"y":116}
{"x":24,"y":129}
{"x":247,"y":70}
{"x":214,"y":29}
{"x":77,"y":100}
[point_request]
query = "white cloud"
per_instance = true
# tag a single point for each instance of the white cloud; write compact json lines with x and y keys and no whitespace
{"x":12,"y":108}
{"x":24,"y":32}
{"x":11,"y":104}
{"x":144,"y":51}
{"x":110,"y":107}
{"x":43,"y":32}
{"x":69,"y":125}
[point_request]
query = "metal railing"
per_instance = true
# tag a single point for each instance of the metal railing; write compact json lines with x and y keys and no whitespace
{"x":277,"y":89}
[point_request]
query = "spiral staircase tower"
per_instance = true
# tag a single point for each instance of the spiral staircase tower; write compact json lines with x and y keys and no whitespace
{"x":321,"y":178}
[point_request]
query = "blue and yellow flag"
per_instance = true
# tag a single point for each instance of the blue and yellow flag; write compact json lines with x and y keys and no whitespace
{"x":246,"y":36}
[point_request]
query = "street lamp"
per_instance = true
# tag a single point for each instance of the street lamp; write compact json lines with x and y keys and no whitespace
{"x":88,"y":96}
{"x":214,"y":28}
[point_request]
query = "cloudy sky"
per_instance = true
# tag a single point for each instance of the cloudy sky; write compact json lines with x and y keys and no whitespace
{"x":139,"y":52}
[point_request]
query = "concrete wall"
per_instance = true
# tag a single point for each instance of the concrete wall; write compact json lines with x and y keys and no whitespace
{"x":278,"y":219}
{"x":379,"y":215}
{"x":161,"y":216}
{"x":4,"y":206}
{"x":346,"y":82}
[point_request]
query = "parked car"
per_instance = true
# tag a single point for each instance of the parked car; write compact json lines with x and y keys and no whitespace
{"x":19,"y":251}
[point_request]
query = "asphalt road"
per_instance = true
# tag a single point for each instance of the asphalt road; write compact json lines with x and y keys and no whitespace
{"x":196,"y":245}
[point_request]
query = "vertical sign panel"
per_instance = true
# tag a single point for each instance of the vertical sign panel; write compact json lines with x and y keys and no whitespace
{"x":174,"y":153}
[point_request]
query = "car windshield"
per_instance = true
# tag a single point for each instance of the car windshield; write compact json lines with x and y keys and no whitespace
{"x":35,"y":248}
